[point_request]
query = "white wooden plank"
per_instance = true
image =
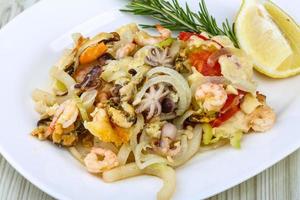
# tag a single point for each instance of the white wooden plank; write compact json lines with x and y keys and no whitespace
{"x":293,"y":166}
{"x":247,"y":189}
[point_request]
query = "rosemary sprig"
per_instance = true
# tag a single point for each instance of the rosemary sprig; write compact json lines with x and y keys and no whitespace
{"x":174,"y":17}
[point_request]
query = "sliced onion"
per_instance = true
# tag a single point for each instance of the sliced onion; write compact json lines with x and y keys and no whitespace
{"x":66,"y":60}
{"x":65,"y":78}
{"x":167,"y":116}
{"x":135,"y":130}
{"x":46,"y":97}
{"x":174,"y":49}
{"x":145,"y":160}
{"x":213,"y":146}
{"x":177,"y":76}
{"x":183,"y":152}
{"x":88,"y":98}
{"x":193,"y":147}
{"x":214,"y":57}
{"x":168,"y":175}
{"x":122,"y":172}
{"x":194,"y":143}
{"x":83,"y":112}
{"x":180,"y":120}
{"x":76,"y":154}
{"x":183,"y":104}
{"x":144,"y":137}
{"x":150,"y":159}
{"x":123,"y":154}
{"x":105,"y":145}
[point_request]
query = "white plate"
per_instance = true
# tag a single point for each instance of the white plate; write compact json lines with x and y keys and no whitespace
{"x":34,"y":40}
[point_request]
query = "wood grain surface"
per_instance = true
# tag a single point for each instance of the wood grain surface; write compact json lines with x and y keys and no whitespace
{"x":280,"y":182}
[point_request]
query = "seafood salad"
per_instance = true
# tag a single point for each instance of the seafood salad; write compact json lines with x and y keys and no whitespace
{"x":128,"y":103}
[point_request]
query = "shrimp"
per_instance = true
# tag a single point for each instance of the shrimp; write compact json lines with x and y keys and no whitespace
{"x":125,"y":50}
{"x":102,"y":98}
{"x":66,"y":115}
{"x":142,"y":38}
{"x":95,"y":165}
{"x":262,"y":119}
{"x":212,"y":96}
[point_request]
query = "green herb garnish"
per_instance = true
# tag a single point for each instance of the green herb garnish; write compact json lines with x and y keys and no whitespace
{"x":172,"y":16}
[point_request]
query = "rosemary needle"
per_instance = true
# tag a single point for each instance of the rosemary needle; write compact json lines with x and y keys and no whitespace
{"x":175,"y":17}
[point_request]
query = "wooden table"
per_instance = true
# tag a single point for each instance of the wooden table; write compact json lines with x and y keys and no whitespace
{"x":280,"y":182}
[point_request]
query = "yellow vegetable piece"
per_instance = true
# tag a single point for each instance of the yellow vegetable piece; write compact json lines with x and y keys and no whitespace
{"x":235,"y":141}
{"x":60,"y":86}
{"x":166,"y":43}
{"x":123,"y":133}
{"x":231,"y":90}
{"x":92,"y":53}
{"x":83,"y":113}
{"x":103,"y":129}
{"x":208,"y":133}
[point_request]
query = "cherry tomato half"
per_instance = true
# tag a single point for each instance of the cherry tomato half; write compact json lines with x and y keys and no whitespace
{"x":223,"y":117}
{"x":231,"y":107}
{"x":184,"y":36}
{"x":199,"y":59}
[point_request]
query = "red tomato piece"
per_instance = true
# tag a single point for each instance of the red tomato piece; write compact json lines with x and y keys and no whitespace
{"x":232,"y":100}
{"x":186,"y":35}
{"x":199,"y":61}
{"x":231,"y":106}
{"x":223,"y":117}
{"x":211,"y":71}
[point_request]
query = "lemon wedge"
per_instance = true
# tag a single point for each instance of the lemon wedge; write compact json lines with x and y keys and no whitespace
{"x":291,"y":30}
{"x":270,"y":37}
